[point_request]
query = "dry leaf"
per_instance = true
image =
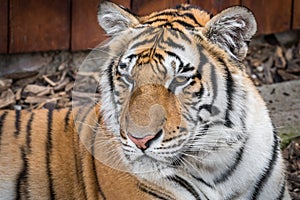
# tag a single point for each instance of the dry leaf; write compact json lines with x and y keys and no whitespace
{"x":35,"y":89}
{"x":7,"y":98}
{"x":5,"y":83}
{"x":34,"y":99}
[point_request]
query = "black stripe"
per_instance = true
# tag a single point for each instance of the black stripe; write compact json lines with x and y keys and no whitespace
{"x":110,"y":74}
{"x":28,"y":133}
{"x":80,"y":117}
{"x":189,"y":118}
{"x":93,"y":157}
{"x":174,"y":44}
{"x":100,"y":191}
{"x":185,"y":185}
{"x":159,"y":67}
{"x":143,"y":42}
{"x":2,"y":119}
{"x":22,"y":176}
{"x":78,"y":164}
{"x":22,"y":181}
{"x":267,"y":171}
{"x":173,"y":33}
{"x":17,"y":123}
{"x":189,"y":68}
{"x":67,"y":119}
{"x":174,"y":55}
{"x":170,"y":25}
{"x":182,"y":35}
{"x":159,"y":57}
{"x":202,"y":181}
{"x":203,"y":58}
{"x":165,"y":14}
{"x":175,"y":13}
{"x":243,"y":115}
{"x":111,"y":82}
{"x":28,"y":151}
{"x":48,"y":153}
{"x":148,"y":31}
{"x":229,"y":90}
{"x":282,"y":190}
{"x":152,"y":21}
{"x":183,"y":23}
{"x":153,"y":193}
{"x":230,"y":170}
{"x":192,"y":17}
{"x":171,"y":43}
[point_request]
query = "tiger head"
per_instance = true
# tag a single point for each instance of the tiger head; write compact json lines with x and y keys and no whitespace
{"x":166,"y":79}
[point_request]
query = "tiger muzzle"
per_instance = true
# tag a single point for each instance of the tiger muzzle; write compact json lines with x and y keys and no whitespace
{"x":151,"y":112}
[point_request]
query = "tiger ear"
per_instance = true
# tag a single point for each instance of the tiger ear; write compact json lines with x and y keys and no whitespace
{"x":114,"y":18}
{"x":232,"y":30}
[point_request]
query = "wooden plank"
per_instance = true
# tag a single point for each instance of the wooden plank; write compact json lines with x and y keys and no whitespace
{"x":3,"y":25}
{"x":125,"y":3}
{"x":214,"y":6}
{"x":37,"y":25}
{"x":86,"y":32}
{"x":272,"y":16}
{"x":145,"y":7}
{"x":296,"y":14}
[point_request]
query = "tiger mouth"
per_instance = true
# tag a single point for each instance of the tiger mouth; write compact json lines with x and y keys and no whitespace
{"x":150,"y":162}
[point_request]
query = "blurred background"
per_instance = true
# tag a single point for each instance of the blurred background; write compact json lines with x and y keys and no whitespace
{"x":41,"y":25}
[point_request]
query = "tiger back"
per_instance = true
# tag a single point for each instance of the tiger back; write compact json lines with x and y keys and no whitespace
{"x":178,"y":118}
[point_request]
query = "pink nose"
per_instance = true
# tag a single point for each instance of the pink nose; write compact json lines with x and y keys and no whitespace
{"x":141,"y":143}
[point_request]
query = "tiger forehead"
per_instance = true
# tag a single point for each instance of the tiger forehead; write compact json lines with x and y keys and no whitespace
{"x":157,"y":44}
{"x":184,"y":15}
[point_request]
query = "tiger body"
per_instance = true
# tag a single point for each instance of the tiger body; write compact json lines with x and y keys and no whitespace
{"x":178,"y":119}
{"x":47,"y":160}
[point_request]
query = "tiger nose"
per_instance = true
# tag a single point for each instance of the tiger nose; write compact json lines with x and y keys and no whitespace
{"x":145,"y":142}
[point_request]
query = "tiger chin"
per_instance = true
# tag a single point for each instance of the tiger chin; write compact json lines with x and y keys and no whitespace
{"x":178,"y":119}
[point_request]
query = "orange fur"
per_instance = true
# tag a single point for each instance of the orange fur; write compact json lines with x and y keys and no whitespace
{"x":71,"y":165}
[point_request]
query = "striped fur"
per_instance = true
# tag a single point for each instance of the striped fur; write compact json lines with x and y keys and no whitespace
{"x":178,"y":119}
{"x":47,"y":160}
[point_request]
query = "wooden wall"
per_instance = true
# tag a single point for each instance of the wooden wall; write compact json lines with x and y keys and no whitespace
{"x":37,"y":25}
{"x":3,"y":26}
{"x":41,"y":25}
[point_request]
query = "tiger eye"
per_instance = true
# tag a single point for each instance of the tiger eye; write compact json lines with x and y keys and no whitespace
{"x":122,"y":65}
{"x":181,"y":79}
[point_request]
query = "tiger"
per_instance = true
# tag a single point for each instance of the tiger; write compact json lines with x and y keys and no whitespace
{"x":178,"y":118}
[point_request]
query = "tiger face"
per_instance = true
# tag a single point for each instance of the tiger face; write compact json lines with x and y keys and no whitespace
{"x":154,"y":88}
{"x":161,"y":84}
